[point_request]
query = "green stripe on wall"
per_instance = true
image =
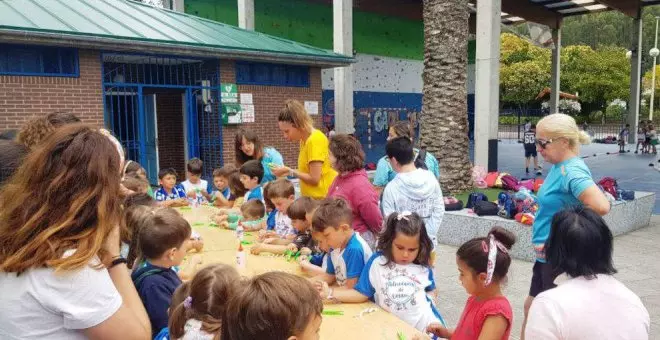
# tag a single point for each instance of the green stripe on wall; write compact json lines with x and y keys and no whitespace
{"x":311,"y":23}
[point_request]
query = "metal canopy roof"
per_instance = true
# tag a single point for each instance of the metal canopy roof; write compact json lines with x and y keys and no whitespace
{"x":126,"y":25}
{"x":550,"y":12}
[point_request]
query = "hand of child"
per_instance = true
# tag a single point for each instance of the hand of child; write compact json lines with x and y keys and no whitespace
{"x":196,"y":260}
{"x":305,"y":251}
{"x":292,"y":247}
{"x":182,"y":202}
{"x":256,"y":249}
{"x":303,"y":258}
{"x":269,"y":240}
{"x":323,"y":289}
{"x":439,"y":330}
{"x":421,"y":337}
{"x":198,"y":245}
{"x":191,"y":194}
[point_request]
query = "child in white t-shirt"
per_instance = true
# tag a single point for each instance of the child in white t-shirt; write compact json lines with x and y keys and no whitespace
{"x":398,"y":276}
{"x":196,"y":188}
{"x":281,"y":193}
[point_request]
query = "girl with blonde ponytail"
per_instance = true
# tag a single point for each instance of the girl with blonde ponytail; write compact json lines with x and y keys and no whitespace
{"x":568,"y":184}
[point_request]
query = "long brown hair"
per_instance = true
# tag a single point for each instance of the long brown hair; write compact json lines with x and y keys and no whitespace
{"x":64,"y":196}
{"x":208,"y":294}
{"x":295,"y":114}
{"x":251,"y":137}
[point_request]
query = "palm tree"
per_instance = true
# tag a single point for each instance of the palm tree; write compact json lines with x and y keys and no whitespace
{"x":444,"y":123}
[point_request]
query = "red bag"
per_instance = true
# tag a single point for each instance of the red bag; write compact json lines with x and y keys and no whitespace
{"x":608,"y":184}
{"x":537,"y":184}
{"x":527,"y":184}
{"x":491,"y":178}
{"x":510,"y":183}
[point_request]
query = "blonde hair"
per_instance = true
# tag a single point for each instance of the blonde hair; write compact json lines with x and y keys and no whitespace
{"x":559,"y":125}
{"x":295,"y":114}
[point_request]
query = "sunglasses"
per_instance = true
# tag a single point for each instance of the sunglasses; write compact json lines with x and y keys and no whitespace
{"x":543,"y":143}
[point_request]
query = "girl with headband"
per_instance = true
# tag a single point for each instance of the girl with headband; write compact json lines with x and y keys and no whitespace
{"x":483,"y":264}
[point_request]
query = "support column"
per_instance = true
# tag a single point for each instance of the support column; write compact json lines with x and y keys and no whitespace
{"x":635,"y":79}
{"x":246,"y":14}
{"x":487,"y":83}
{"x":555,"y":83}
{"x":342,"y":38}
{"x":179,"y":6}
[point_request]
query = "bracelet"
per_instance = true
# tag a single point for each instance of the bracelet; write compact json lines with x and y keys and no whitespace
{"x":117,"y":261}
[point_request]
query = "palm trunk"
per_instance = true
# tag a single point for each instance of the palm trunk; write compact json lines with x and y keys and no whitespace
{"x":444,"y":123}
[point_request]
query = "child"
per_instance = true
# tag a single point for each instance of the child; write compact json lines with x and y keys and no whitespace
{"x":195,"y":187}
{"x":253,"y":217}
{"x":133,"y":168}
{"x":298,"y":212}
{"x":398,"y":276}
{"x":529,"y":142}
{"x":641,"y":134}
{"x":349,"y":251}
{"x":623,"y":138}
{"x":199,"y":316}
{"x":170,"y":194}
{"x":138,"y":199}
{"x":251,"y":174}
{"x":163,"y":241}
{"x":238,"y":193}
{"x":273,"y":305}
{"x":281,"y":193}
{"x":135,"y":184}
{"x":271,"y":211}
{"x":653,"y":139}
{"x":483,"y":264}
{"x":221,"y":196}
{"x":180,"y":294}
{"x":414,"y":190}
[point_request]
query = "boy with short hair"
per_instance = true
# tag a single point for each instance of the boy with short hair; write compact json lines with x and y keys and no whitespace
{"x":163,"y":242}
{"x":288,"y":301}
{"x":281,"y":193}
{"x":170,"y":194}
{"x":413,"y":190}
{"x":222,"y":196}
{"x":333,"y":219}
{"x":251,"y":174}
{"x":195,"y":187}
{"x":623,"y":138}
{"x":529,"y":142}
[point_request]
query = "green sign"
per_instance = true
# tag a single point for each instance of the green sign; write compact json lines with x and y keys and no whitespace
{"x":231,"y":114}
{"x":228,"y":93}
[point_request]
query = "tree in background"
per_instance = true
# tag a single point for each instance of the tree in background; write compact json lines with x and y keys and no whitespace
{"x":444,"y":124}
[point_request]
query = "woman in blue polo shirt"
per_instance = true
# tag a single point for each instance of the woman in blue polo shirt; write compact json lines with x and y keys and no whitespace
{"x":568,"y":184}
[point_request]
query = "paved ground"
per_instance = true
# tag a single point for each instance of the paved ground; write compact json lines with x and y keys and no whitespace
{"x":636,"y":257}
{"x":632,"y":171}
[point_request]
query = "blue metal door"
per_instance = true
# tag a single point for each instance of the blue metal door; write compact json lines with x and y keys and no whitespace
{"x":150,"y":138}
{"x":204,"y":127}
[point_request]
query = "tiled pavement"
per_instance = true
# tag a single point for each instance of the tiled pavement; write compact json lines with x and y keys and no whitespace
{"x":636,"y":257}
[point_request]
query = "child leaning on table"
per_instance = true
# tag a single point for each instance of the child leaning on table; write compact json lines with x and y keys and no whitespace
{"x":398,"y":276}
{"x":252,"y":218}
{"x":350,"y":251}
{"x":273,"y":305}
{"x":237,"y":193}
{"x":282,"y":194}
{"x":170,"y":194}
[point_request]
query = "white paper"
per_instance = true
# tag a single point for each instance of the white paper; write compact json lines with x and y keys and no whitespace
{"x":248,"y":113}
{"x":312,"y":107}
{"x":246,"y":98}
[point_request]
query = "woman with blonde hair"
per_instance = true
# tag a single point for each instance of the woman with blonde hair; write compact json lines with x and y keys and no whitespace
{"x":60,"y":266}
{"x":568,"y":184}
{"x":314,"y":169}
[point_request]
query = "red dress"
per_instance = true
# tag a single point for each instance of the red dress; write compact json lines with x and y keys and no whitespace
{"x":476,"y":312}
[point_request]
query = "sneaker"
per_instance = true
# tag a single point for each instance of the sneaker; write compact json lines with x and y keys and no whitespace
{"x":539,"y":173}
{"x":527,"y":170}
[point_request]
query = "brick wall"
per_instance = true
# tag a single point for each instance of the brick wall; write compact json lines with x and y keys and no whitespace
{"x":268,"y":100}
{"x":22,"y":98}
{"x":170,"y":132}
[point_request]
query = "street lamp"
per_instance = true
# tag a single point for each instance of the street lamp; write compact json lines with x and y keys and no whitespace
{"x":654,"y":52}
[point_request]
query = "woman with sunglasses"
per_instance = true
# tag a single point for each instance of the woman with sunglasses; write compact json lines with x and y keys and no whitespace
{"x":568,"y":184}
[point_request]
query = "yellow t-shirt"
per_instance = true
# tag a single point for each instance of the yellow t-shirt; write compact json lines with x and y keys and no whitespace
{"x":316,"y":148}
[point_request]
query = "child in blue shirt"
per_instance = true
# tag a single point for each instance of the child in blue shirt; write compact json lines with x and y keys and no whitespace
{"x":163,"y":241}
{"x":350,"y":252}
{"x":169,"y":193}
{"x":251,"y":174}
{"x":398,"y":277}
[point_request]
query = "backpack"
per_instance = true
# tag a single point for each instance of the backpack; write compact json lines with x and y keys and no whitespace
{"x":420,"y":161}
{"x":627,"y":195}
{"x":510,"y":183}
{"x":475,"y":197}
{"x":491,"y":177}
{"x":527,"y":184}
{"x":507,"y":206}
{"x":609,"y":185}
{"x":138,"y":280}
{"x":486,"y":208}
{"x":452,"y":204}
{"x":479,"y":177}
{"x":498,"y":181}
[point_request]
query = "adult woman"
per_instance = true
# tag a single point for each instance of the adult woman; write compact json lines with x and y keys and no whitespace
{"x":589,"y":302}
{"x":38,"y":128}
{"x":11,"y":156}
{"x":314,"y":170}
{"x":568,"y":183}
{"x":249,"y":147}
{"x":385,"y":173}
{"x":352,"y":184}
{"x":59,"y":218}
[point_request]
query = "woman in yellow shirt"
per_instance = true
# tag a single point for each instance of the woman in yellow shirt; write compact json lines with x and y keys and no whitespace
{"x":314,"y":169}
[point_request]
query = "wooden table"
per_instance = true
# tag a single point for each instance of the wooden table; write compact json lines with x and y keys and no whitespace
{"x":220,"y":246}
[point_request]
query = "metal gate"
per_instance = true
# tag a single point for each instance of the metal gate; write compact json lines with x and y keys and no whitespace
{"x":130,"y":111}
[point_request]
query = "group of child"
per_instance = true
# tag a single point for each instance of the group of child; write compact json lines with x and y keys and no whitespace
{"x":396,"y":274}
{"x":647,"y":137}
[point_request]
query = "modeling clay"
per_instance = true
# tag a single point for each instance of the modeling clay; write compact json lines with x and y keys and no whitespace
{"x":247,"y":243}
{"x":400,"y":336}
{"x":332,"y":312}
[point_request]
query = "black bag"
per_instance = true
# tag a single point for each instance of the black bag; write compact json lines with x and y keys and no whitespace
{"x":454,"y":206}
{"x":420,"y":161}
{"x":486,"y":208}
{"x":475,"y":197}
{"x":627,"y":195}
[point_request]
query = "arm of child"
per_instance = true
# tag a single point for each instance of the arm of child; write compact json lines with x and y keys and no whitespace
{"x":440,"y":331}
{"x":350,"y":283}
{"x":494,"y":328}
{"x":206,"y":195}
{"x":195,"y":262}
{"x":323,"y":277}
{"x":342,"y":294}
{"x":268,"y":248}
{"x":311,"y":269}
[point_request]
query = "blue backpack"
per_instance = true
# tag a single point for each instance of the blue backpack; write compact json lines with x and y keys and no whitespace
{"x":507,"y":205}
{"x":474,"y":198}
